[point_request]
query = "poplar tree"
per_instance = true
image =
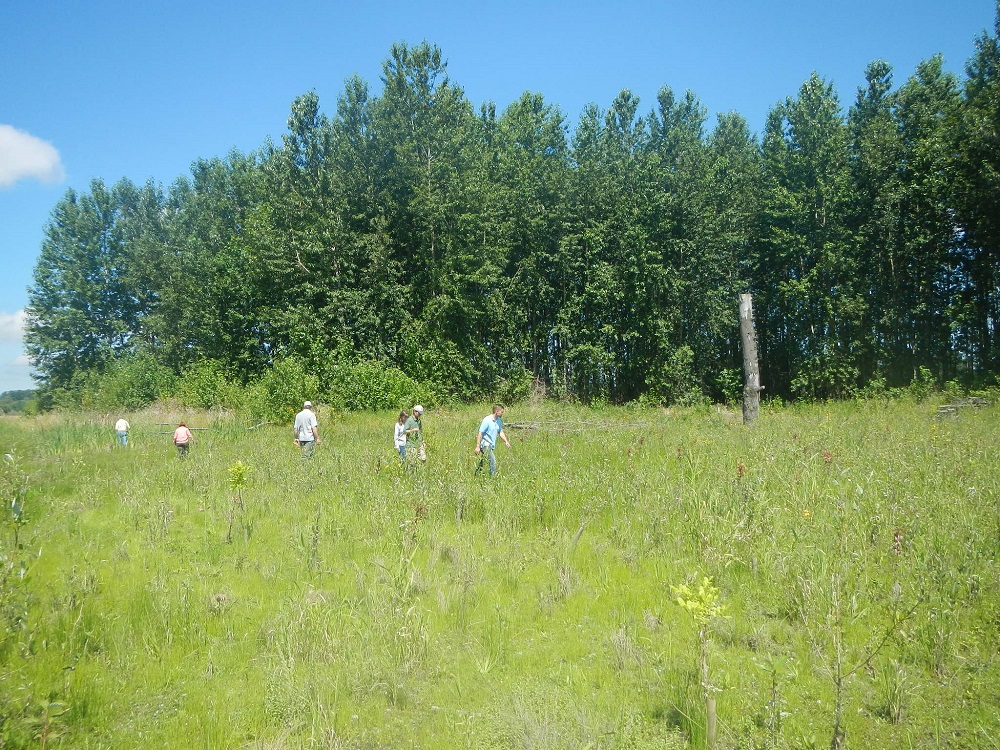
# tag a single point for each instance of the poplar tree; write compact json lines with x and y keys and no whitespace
{"x":876,"y":149}
{"x":82,"y":307}
{"x":807,"y":265}
{"x":931,"y":274}
{"x":978,"y":200}
{"x":424,"y":135}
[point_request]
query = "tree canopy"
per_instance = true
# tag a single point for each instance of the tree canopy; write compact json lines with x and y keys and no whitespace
{"x":467,"y":250}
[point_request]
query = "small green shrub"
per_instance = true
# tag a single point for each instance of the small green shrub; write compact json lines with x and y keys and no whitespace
{"x":825,"y":375}
{"x":206,"y":384}
{"x":374,"y":386}
{"x":676,"y":383}
{"x":132,"y":383}
{"x":730,"y":384}
{"x":923,"y":384}
{"x":278,"y":395}
{"x":516,"y":388}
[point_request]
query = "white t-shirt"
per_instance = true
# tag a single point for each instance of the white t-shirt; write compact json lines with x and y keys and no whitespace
{"x":399,"y":436}
{"x":121,"y":425}
{"x":305,"y":420}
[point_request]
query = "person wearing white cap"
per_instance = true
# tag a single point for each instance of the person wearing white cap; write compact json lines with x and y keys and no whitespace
{"x":414,"y":434}
{"x":306,"y":430}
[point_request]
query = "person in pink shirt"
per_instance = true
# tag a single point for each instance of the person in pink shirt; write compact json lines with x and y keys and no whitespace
{"x":182,"y":439}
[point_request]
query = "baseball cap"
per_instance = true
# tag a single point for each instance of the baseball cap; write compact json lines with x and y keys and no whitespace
{"x":307,"y":404}
{"x":418,"y":409}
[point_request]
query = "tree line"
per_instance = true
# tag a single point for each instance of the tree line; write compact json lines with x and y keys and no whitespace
{"x":467,"y":251}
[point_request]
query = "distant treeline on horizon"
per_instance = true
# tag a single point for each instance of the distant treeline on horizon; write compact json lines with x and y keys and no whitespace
{"x":15,"y":402}
{"x":468,"y":249}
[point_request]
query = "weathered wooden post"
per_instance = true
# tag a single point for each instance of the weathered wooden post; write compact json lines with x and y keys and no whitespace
{"x":751,"y":371}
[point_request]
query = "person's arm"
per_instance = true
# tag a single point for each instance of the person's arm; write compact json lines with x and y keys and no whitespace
{"x":316,"y":432}
{"x":504,"y":436}
{"x":479,"y":441}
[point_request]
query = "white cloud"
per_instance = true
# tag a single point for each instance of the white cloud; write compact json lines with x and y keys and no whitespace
{"x":15,"y":369}
{"x":12,"y":327}
{"x":24,"y":156}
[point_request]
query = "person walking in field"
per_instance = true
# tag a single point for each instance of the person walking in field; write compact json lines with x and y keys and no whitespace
{"x":399,"y":434}
{"x":414,"y":429}
{"x":306,"y":430}
{"x":182,"y":439}
{"x":121,"y":430}
{"x":490,"y":429}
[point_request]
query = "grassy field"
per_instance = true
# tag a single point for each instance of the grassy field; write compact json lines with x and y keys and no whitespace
{"x":246,"y":598}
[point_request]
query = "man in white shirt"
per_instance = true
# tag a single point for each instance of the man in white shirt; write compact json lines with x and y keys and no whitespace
{"x":306,"y":430}
{"x":121,"y":428}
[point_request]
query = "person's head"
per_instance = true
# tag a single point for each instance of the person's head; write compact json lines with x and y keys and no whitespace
{"x":182,"y":425}
{"x":307,"y":405}
{"x":418,"y":411}
{"x":497,"y":410}
{"x":403,"y":415}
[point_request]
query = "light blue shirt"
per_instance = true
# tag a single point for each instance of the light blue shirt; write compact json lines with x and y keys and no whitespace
{"x":491,"y":428}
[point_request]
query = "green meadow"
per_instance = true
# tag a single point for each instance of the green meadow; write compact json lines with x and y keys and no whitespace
{"x":246,"y":598}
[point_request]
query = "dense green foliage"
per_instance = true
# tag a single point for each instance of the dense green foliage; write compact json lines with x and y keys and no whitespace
{"x":15,"y":402}
{"x":247,"y":598}
{"x":466,"y":249}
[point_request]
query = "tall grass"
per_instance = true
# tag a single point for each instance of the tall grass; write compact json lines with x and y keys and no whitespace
{"x":356,"y":602}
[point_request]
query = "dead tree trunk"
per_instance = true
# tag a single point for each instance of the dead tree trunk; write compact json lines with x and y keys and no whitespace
{"x":751,"y":371}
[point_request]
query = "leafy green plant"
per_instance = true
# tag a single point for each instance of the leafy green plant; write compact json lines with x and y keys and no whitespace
{"x":676,"y":382}
{"x":239,"y":474}
{"x":779,"y":668}
{"x":704,"y":605}
{"x":278,"y":395}
{"x":923,"y":384}
{"x":14,"y":492}
{"x":375,"y":386}
{"x":131,"y":383}
{"x":206,"y":384}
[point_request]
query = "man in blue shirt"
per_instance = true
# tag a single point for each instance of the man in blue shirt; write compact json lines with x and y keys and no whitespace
{"x":486,"y":441}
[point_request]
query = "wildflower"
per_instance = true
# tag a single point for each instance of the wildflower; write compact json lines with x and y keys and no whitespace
{"x":828,"y":457}
{"x":740,"y":470}
{"x":806,"y":513}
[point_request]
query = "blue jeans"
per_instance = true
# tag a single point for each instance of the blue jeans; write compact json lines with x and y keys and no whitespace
{"x":486,"y":453}
{"x":123,"y":438}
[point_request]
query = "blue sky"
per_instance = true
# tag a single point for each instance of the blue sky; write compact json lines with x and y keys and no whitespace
{"x":139,"y":90}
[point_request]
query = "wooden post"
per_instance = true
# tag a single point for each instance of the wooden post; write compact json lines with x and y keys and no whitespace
{"x":751,"y":371}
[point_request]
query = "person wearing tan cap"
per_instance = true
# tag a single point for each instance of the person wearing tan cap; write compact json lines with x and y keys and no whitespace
{"x":414,"y":434}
